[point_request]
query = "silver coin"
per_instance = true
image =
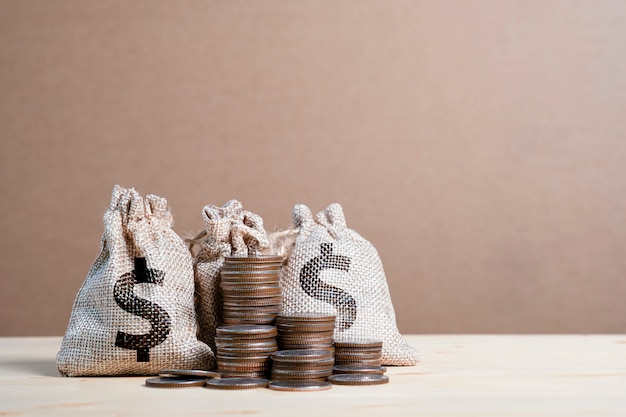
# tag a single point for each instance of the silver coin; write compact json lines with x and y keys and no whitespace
{"x":299,"y":385}
{"x":305,"y":374}
{"x":246,"y":330}
{"x":305,"y":317}
{"x":359,"y":369}
{"x":302,"y":355}
{"x":254,"y":259}
{"x":190,"y":373}
{"x":352,"y":379}
{"x":175,"y":382}
{"x":237,"y":383}
{"x":359,"y":343}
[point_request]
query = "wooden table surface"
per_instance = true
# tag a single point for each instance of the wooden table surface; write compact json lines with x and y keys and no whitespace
{"x":495,"y":375}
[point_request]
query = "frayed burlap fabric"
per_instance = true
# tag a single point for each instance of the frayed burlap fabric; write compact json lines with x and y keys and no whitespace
{"x":333,"y":270}
{"x":134,"y":314}
{"x":228,"y":231}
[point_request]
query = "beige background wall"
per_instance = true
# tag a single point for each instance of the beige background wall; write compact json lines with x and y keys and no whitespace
{"x":480,"y":145}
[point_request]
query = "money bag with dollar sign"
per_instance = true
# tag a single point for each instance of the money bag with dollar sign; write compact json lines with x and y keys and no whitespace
{"x":331,"y":269}
{"x":134,"y":313}
{"x":228,"y":231}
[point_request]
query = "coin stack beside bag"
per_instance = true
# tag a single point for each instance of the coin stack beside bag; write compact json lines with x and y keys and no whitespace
{"x":250,"y":289}
{"x":243,"y":351}
{"x":252,"y":299}
{"x":301,"y":370}
{"x":305,"y":331}
{"x":358,"y":363}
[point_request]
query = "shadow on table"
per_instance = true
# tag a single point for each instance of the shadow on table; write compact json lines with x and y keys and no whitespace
{"x":41,"y":368}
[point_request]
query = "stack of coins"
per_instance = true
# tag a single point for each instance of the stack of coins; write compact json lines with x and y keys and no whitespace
{"x":359,"y":352}
{"x":250,"y":289}
{"x":305,"y":331}
{"x":243,"y":351}
{"x":358,"y":374}
{"x":302,"y":364}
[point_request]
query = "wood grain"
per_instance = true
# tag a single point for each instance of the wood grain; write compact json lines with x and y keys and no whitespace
{"x":460,"y":375}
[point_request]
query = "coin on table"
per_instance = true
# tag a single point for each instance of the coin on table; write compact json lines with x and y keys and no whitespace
{"x":176,"y":382}
{"x":237,"y":383}
{"x":354,"y":379}
{"x":359,"y":369}
{"x":189,"y":373}
{"x":299,"y":385}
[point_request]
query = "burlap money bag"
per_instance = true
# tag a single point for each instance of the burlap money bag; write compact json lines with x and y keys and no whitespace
{"x":333,"y":270}
{"x":228,"y":231}
{"x":134,"y":314}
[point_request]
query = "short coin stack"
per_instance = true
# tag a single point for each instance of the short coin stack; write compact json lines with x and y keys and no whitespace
{"x":358,"y":352}
{"x":243,"y":351}
{"x":358,"y":363}
{"x":305,"y":331}
{"x":302,"y":365}
{"x":250,"y":289}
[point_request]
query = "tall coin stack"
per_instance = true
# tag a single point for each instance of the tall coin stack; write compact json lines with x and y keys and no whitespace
{"x":243,"y":351}
{"x":359,"y":352}
{"x":252,"y":298}
{"x":305,"y":331}
{"x":250,"y":289}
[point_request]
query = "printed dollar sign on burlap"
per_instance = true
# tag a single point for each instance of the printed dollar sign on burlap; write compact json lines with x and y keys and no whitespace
{"x":331,"y":269}
{"x":313,"y":285}
{"x":154,"y":313}
{"x":134,"y":313}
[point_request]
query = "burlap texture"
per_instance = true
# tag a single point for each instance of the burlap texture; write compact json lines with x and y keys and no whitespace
{"x":333,"y":270}
{"x":228,"y":231}
{"x":134,"y":313}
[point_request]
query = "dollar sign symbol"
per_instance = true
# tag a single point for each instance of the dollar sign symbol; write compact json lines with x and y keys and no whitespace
{"x":154,"y":313}
{"x":313,"y":285}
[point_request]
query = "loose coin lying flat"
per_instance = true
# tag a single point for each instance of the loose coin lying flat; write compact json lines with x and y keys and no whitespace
{"x":176,"y":382}
{"x":194,"y":373}
{"x":359,"y":369}
{"x":299,"y":385}
{"x":237,"y":383}
{"x":353,"y":379}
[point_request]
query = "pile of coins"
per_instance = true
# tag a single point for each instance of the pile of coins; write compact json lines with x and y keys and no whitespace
{"x":302,"y":364}
{"x":250,"y":289}
{"x":359,"y":352}
{"x":305,"y":331}
{"x":243,"y":351}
